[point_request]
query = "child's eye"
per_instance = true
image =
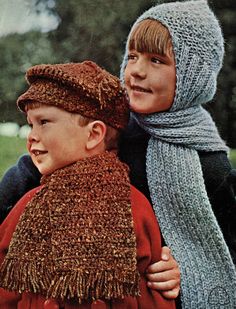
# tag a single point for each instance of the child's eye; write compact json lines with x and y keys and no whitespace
{"x":155,"y":60}
{"x":43,"y":121}
{"x":131,"y":56}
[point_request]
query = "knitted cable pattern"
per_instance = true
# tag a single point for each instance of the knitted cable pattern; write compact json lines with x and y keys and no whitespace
{"x":175,"y":180}
{"x":76,"y":237}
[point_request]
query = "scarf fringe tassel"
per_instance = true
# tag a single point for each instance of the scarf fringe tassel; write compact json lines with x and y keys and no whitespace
{"x":81,"y":284}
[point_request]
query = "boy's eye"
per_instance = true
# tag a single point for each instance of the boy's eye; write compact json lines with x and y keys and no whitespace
{"x":43,"y":121}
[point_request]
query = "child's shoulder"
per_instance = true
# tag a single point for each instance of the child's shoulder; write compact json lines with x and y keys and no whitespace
{"x":216,"y":168}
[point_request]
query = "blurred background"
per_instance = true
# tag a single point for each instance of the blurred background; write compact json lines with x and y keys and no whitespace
{"x":53,"y":31}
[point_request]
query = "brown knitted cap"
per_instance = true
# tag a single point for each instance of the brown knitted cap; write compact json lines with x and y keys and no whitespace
{"x":82,"y":88}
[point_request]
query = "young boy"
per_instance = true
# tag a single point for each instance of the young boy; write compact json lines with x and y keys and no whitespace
{"x":173,"y":55}
{"x":85,"y":237}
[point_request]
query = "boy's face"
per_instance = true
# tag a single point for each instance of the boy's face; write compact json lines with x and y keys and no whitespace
{"x":56,"y":139}
{"x":150,"y":80}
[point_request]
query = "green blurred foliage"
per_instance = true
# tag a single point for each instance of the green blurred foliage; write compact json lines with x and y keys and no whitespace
{"x":10,"y":150}
{"x":223,"y":107}
{"x":17,"y":54}
{"x":232,"y":157}
{"x":97,"y":30}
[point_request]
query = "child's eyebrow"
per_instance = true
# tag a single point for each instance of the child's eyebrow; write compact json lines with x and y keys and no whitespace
{"x":40,"y":115}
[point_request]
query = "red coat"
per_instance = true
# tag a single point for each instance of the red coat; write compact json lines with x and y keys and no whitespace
{"x":148,"y":240}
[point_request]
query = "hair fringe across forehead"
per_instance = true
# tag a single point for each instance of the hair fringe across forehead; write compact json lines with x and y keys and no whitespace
{"x":32,"y":105}
{"x":150,"y":36}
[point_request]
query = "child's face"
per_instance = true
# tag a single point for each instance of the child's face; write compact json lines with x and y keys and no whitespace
{"x":150,"y":80}
{"x":56,"y":139}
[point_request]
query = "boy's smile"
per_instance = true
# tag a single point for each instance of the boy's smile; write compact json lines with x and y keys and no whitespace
{"x":37,"y":152}
{"x":150,"y":81}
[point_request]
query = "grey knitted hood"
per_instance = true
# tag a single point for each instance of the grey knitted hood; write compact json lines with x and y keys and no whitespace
{"x":174,"y":173}
{"x":198,"y":47}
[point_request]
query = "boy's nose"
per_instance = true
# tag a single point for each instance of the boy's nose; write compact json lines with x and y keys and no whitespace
{"x":32,"y":136}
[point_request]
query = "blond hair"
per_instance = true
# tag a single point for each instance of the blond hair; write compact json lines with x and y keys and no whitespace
{"x":150,"y":36}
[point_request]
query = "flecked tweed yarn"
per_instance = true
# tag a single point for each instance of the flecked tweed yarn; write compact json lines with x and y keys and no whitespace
{"x":175,"y":179}
{"x":75,"y":238}
{"x":83,"y":88}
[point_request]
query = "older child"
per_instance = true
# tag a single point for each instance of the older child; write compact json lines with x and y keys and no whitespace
{"x":74,"y":241}
{"x":173,"y":55}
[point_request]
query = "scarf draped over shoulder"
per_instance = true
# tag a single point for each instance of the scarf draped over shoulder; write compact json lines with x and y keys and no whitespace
{"x":76,"y":237}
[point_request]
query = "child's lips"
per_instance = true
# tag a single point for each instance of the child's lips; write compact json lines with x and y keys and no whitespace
{"x":137,"y":89}
{"x":37,"y":152}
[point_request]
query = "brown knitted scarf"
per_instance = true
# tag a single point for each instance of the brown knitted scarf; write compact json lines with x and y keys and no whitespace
{"x":75,"y":238}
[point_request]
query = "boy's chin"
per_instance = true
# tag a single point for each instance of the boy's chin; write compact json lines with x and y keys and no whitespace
{"x":45,"y":171}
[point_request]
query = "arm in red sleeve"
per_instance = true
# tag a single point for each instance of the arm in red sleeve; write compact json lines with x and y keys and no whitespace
{"x":9,"y":300}
{"x":148,"y":238}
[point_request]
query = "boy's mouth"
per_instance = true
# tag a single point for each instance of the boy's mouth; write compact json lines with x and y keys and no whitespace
{"x":37,"y":152}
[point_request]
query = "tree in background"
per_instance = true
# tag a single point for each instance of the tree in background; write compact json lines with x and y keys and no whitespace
{"x":223,"y":108}
{"x":17,"y":54}
{"x":97,"y":30}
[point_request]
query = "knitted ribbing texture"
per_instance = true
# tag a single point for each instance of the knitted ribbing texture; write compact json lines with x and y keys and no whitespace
{"x":174,"y":173}
{"x":187,"y":221}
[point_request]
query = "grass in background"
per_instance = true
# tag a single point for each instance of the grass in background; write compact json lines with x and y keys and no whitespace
{"x":10,"y":150}
{"x":12,"y":147}
{"x":232,"y":157}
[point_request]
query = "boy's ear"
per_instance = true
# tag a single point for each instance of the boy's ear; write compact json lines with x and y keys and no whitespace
{"x":97,"y":132}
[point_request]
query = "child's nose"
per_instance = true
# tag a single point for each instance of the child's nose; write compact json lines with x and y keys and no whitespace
{"x":32,"y":136}
{"x":139,"y":69}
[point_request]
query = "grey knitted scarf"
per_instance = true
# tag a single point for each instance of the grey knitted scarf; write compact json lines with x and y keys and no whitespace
{"x":175,"y":179}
